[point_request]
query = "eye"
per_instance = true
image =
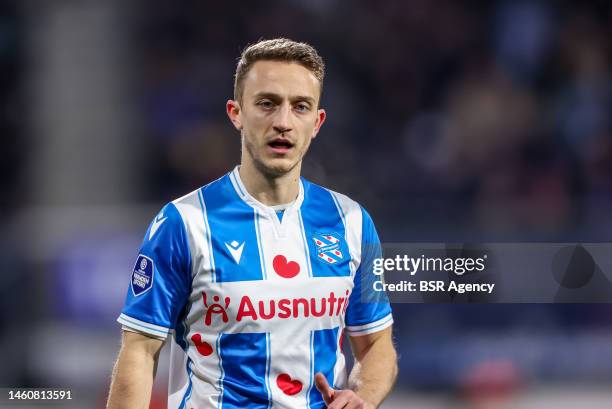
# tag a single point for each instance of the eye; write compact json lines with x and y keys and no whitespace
{"x":302,"y":107}
{"x":265,"y":104}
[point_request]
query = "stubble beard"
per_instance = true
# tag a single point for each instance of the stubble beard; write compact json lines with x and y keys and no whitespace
{"x":259,"y":163}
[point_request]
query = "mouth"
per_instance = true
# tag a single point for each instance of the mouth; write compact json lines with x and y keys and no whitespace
{"x":280,"y":145}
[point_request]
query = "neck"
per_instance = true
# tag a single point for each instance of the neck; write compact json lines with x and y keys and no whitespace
{"x":270,"y":190}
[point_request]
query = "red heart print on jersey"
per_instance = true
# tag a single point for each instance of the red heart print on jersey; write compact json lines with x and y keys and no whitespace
{"x":288,"y":386}
{"x":203,"y":347}
{"x":285,"y":269}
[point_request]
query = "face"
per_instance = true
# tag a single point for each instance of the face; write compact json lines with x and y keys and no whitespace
{"x":278,"y":116}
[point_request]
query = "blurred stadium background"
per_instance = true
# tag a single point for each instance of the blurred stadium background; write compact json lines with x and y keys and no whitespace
{"x":450,"y":121}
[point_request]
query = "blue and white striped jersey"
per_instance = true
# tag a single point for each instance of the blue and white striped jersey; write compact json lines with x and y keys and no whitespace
{"x":256,"y":304}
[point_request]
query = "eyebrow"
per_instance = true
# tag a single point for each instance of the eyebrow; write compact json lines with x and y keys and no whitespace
{"x":277,"y":97}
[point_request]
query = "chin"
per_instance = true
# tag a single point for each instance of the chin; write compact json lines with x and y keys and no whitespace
{"x":277,"y":166}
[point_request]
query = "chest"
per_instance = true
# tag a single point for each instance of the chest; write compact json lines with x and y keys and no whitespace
{"x":258,"y":246}
{"x":264,"y":273}
{"x":271,"y":305}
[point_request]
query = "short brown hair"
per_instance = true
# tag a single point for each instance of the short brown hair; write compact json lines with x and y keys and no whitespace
{"x":278,"y":49}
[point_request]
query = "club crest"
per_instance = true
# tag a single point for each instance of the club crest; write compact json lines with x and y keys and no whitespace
{"x":329,"y":247}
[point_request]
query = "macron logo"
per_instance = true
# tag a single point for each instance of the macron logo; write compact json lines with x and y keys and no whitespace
{"x":235,"y":250}
{"x":159,"y":220}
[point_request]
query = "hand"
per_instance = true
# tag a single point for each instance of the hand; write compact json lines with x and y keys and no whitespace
{"x":339,"y":399}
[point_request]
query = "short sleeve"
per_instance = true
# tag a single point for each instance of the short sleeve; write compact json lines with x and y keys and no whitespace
{"x":368,"y":310}
{"x":160,"y":281}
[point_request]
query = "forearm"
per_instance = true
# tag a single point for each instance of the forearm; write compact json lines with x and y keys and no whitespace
{"x":132,"y":379}
{"x":374,"y":375}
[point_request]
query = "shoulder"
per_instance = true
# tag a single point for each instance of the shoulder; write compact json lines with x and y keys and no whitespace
{"x":192,"y":204}
{"x":175,"y":216}
{"x":191,"y":199}
{"x":167,"y":226}
{"x":347,"y":207}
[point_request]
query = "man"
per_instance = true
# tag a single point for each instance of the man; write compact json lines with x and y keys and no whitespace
{"x":256,"y":275}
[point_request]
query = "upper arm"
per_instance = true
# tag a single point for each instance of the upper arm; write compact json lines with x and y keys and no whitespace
{"x":161,"y":279}
{"x":368,"y":310}
{"x":134,"y":371}
{"x":363,"y":343}
{"x":141,"y":344}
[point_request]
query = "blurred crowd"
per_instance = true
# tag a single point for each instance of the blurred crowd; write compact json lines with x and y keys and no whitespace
{"x":12,"y":138}
{"x":448,"y":120}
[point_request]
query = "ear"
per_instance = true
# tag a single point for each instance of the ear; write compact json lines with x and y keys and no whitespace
{"x":321,"y":115}
{"x":232,"y":108}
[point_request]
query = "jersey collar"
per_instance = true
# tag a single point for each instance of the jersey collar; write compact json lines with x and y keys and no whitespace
{"x":234,"y":176}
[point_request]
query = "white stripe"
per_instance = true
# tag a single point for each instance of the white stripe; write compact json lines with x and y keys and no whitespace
{"x":340,"y":375}
{"x":129,"y":329}
{"x":237,"y":183}
{"x":198,"y":234}
{"x":207,"y":236}
{"x":291,"y":246}
{"x":306,"y":246}
{"x":340,"y":212}
{"x":205,"y":392}
{"x":178,"y":381}
{"x":262,"y":259}
{"x":371,"y":327}
{"x":143,"y":326}
{"x":284,"y":347}
{"x":222,"y":372}
{"x":179,"y":378}
{"x":350,"y":211}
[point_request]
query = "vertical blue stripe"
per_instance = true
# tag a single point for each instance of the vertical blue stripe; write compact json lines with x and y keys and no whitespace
{"x":325,"y":346}
{"x":244,"y":358}
{"x":268,"y":359}
{"x":320,"y":215}
{"x":230,"y":219}
{"x":312,"y":372}
{"x":181,"y":329}
{"x":189,"y":388}
{"x":221,"y":373}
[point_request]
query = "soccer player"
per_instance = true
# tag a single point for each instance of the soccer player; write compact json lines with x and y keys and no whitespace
{"x":255,"y":276}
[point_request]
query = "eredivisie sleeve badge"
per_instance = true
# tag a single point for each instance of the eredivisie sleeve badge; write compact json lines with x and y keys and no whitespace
{"x":142,"y":276}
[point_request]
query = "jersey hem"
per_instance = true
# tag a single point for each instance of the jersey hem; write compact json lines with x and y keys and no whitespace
{"x":372,"y":327}
{"x":135,"y":331}
{"x":142,"y":326}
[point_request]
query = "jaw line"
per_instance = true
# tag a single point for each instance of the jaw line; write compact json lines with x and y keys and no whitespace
{"x":270,"y":172}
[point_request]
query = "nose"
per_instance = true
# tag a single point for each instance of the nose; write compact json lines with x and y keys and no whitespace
{"x":282,"y":122}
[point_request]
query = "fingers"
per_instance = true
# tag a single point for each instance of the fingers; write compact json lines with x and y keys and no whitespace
{"x":340,"y":401}
{"x":323,"y":387}
{"x":346,"y":399}
{"x":337,"y":399}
